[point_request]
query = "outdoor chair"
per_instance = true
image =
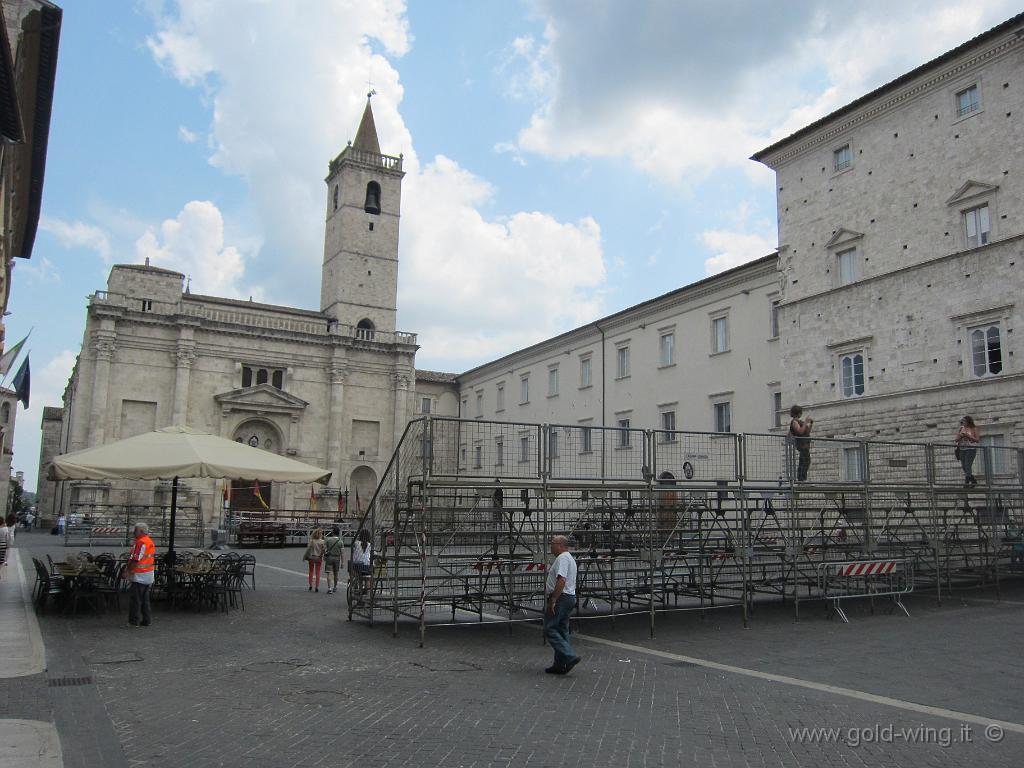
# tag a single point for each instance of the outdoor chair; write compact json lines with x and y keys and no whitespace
{"x":248,"y":568}
{"x":47,"y":586}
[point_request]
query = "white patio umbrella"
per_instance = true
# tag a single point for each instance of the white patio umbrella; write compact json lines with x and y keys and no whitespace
{"x":174,"y":452}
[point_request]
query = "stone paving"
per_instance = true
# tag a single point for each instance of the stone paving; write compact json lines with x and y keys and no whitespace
{"x":290,"y":682}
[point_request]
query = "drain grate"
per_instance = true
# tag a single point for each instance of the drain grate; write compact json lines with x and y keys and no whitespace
{"x":63,"y":682}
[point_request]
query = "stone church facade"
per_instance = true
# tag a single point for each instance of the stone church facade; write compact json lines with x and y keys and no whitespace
{"x":332,"y":387}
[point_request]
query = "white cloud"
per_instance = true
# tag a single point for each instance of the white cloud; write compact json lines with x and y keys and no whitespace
{"x":733,"y":248}
{"x":186,"y":135}
{"x":48,"y":385}
{"x":287,"y":89}
{"x":682,"y":89}
{"x":193,"y":243}
{"x":77,"y":234}
{"x":505,"y":284}
{"x":39,"y":269}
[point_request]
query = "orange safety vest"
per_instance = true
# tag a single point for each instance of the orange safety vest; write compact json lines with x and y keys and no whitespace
{"x":145,"y":552}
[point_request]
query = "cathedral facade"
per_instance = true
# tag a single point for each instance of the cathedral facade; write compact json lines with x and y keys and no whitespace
{"x":332,"y":387}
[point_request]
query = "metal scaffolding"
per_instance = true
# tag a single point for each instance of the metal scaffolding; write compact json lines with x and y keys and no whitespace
{"x":461,"y":520}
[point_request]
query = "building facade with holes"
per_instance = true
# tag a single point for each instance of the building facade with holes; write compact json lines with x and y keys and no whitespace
{"x":901,"y":251}
{"x":332,"y":387}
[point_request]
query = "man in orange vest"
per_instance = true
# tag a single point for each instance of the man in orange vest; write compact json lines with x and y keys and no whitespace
{"x":141,"y":572}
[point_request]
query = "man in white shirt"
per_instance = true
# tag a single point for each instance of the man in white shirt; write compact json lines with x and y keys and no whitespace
{"x":560,"y":592}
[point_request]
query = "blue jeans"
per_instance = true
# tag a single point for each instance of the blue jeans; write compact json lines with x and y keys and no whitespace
{"x":556,"y":629}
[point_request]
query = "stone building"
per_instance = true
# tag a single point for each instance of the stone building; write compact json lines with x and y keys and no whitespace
{"x":700,"y":358}
{"x":901,"y":249}
{"x":332,"y":387}
{"x":8,"y":414}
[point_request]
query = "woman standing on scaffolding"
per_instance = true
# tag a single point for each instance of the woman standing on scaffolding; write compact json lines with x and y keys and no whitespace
{"x":800,"y":431}
{"x":967,"y":439}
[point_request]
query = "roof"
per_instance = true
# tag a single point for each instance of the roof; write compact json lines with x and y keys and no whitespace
{"x":366,"y":136}
{"x":436,"y":376}
{"x":984,"y":37}
{"x":771,"y":258}
{"x":198,"y":297}
{"x":149,"y":268}
{"x":10,"y":114}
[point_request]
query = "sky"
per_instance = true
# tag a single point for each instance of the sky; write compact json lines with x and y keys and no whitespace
{"x":564,"y":159}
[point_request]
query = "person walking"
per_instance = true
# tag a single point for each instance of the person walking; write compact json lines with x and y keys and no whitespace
{"x":800,"y":431}
{"x":362,"y":554}
{"x":333,"y":549}
{"x":141,"y":572}
{"x":560,"y":591}
{"x":967,"y":439}
{"x":314,"y":555}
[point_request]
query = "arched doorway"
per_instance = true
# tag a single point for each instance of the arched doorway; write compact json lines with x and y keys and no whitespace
{"x":361,"y":485}
{"x":668,"y":507}
{"x":248,"y":496}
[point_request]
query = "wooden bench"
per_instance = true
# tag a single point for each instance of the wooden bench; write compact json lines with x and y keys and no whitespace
{"x":262,"y":534}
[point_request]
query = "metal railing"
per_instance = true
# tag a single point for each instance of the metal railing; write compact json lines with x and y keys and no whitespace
{"x":669,"y":520}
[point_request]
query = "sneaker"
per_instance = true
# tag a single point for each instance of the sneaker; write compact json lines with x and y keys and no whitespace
{"x":317,"y":589}
{"x":572,"y":663}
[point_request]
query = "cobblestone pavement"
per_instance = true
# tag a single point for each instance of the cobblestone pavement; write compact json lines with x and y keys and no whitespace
{"x":290,"y":682}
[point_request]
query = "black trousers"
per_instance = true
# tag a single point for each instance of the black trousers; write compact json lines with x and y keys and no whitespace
{"x":138,"y":605}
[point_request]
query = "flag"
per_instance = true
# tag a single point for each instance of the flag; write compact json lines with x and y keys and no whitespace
{"x":359,"y":503}
{"x":8,"y":358}
{"x":259,"y":496}
{"x":312,"y":498}
{"x":341,"y":503}
{"x":22,"y":382}
{"x":227,"y":494}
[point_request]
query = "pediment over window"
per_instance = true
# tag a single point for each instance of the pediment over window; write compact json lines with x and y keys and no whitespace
{"x":261,"y":398}
{"x":843,"y":237}
{"x":971,"y":190}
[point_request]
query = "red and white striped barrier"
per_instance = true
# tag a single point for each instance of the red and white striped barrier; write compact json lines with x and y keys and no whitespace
{"x":510,"y":565}
{"x":105,"y":530}
{"x":873,"y":568}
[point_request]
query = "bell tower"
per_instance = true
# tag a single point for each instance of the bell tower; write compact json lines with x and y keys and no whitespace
{"x":359,"y":287}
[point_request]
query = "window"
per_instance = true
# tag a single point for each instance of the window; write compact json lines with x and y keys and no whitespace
{"x":668,"y":424}
{"x":524,"y":448}
{"x":464,"y":410}
{"x":479,"y":404}
{"x":499,"y":397}
{"x":552,"y":381}
{"x":425,"y":448}
{"x":365,"y":329}
{"x":261,"y":376}
{"x":586,"y":440}
{"x":779,"y":414}
{"x":976,"y":226}
{"x":553,"y":444}
{"x":719,"y":334}
{"x":147,"y":305}
{"x":847,"y":266}
{"x":335,"y":197}
{"x":246,"y":376}
{"x":723,"y":417}
{"x":524,"y":389}
{"x":478,"y":456}
{"x":622,"y":362}
{"x":624,"y":433}
{"x":585,"y":368}
{"x":499,"y":452}
{"x":986,"y":351}
{"x":667,"y":346}
{"x":462,"y":456}
{"x":995,"y":459}
{"x":773,"y":319}
{"x":425,"y":405}
{"x":841,"y":158}
{"x":968,"y":100}
{"x":851,"y":371}
{"x":853,"y":464}
{"x":5,"y":413}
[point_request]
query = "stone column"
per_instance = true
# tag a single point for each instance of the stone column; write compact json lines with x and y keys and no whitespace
{"x":185,"y":356}
{"x":401,"y":382}
{"x":336,"y":377}
{"x":103,"y":351}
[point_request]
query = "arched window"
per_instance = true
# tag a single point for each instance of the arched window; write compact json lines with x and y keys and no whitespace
{"x":261,"y":376}
{"x":335,"y":197}
{"x":5,"y":413}
{"x":372,"y":204}
{"x":365,"y":329}
{"x":278,"y":379}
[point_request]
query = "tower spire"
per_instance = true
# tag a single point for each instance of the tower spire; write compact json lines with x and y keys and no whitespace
{"x":366,"y":136}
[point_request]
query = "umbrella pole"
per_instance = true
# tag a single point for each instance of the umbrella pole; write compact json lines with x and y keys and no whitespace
{"x":170,"y":537}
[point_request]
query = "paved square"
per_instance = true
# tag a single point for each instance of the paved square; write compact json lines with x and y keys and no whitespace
{"x":290,"y":682}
